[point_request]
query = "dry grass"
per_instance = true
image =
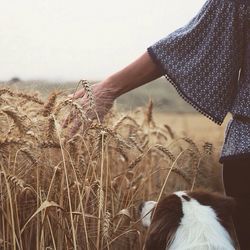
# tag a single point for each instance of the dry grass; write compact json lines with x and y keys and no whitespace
{"x":81,"y":192}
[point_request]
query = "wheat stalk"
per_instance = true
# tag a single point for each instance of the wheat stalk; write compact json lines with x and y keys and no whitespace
{"x":208,"y":148}
{"x":149,"y":114}
{"x":51,"y":128}
{"x":122,"y":120}
{"x":106,"y":227}
{"x":30,"y":98}
{"x":49,"y":106}
{"x":166,"y":152}
{"x":135,"y":162}
{"x":90,"y":96}
{"x":29,"y":155}
{"x":18,"y":118}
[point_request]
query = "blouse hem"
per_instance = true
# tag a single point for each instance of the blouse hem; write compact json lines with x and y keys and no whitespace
{"x":180,"y":92}
{"x":235,"y":157}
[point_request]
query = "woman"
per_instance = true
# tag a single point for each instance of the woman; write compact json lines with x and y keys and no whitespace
{"x":208,"y":61}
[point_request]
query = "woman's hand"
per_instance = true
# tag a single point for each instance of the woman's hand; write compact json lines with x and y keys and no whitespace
{"x":95,"y":103}
{"x":98,"y":101}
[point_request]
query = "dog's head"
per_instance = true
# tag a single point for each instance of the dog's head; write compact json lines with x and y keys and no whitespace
{"x":164,"y":218}
{"x":146,"y":210}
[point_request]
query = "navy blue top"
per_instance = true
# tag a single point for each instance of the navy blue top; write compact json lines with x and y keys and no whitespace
{"x":208,"y":62}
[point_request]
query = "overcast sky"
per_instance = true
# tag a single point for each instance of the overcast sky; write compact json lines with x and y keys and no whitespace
{"x":83,"y":39}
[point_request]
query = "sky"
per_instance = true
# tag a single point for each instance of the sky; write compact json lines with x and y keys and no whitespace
{"x":83,"y":39}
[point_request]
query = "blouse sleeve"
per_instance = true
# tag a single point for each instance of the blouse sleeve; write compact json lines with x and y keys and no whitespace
{"x":203,"y":58}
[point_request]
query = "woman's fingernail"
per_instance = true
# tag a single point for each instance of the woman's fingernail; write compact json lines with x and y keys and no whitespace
{"x":70,"y":96}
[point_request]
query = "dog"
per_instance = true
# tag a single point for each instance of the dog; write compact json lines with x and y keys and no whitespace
{"x":197,"y":220}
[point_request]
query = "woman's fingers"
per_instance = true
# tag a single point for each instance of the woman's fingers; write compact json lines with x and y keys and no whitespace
{"x":76,"y":125}
{"x":68,"y":119}
{"x":103,"y":101}
{"x":78,"y":94}
{"x":77,"y":122}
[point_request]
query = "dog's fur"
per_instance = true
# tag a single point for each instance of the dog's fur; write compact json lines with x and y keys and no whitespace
{"x":189,"y":221}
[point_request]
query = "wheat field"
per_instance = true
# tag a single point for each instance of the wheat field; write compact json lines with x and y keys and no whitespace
{"x":82,"y":191}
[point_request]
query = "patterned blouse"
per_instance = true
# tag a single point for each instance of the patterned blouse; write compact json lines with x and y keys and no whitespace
{"x":208,"y":62}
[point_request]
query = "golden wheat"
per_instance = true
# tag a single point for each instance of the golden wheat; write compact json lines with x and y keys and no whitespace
{"x":81,"y":192}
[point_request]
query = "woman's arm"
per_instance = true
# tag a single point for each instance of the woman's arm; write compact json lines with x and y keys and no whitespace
{"x":139,"y":72}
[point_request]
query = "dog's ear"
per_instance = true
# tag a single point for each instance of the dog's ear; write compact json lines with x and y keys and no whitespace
{"x":222,"y":204}
{"x":227,"y":204}
{"x":159,"y":240}
{"x":224,"y":210}
{"x":165,"y":222}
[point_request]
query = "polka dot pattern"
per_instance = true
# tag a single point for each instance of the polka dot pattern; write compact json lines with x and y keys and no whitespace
{"x":237,"y":140}
{"x":203,"y":60}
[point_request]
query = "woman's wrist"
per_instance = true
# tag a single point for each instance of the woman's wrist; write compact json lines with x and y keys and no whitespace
{"x":111,"y":87}
{"x":138,"y":73}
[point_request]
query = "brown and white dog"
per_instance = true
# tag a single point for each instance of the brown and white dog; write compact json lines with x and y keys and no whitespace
{"x":189,"y":221}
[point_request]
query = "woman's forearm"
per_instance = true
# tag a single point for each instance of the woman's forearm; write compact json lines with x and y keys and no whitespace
{"x":139,"y":72}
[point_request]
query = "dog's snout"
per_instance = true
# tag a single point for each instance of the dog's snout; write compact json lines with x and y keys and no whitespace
{"x":141,"y":207}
